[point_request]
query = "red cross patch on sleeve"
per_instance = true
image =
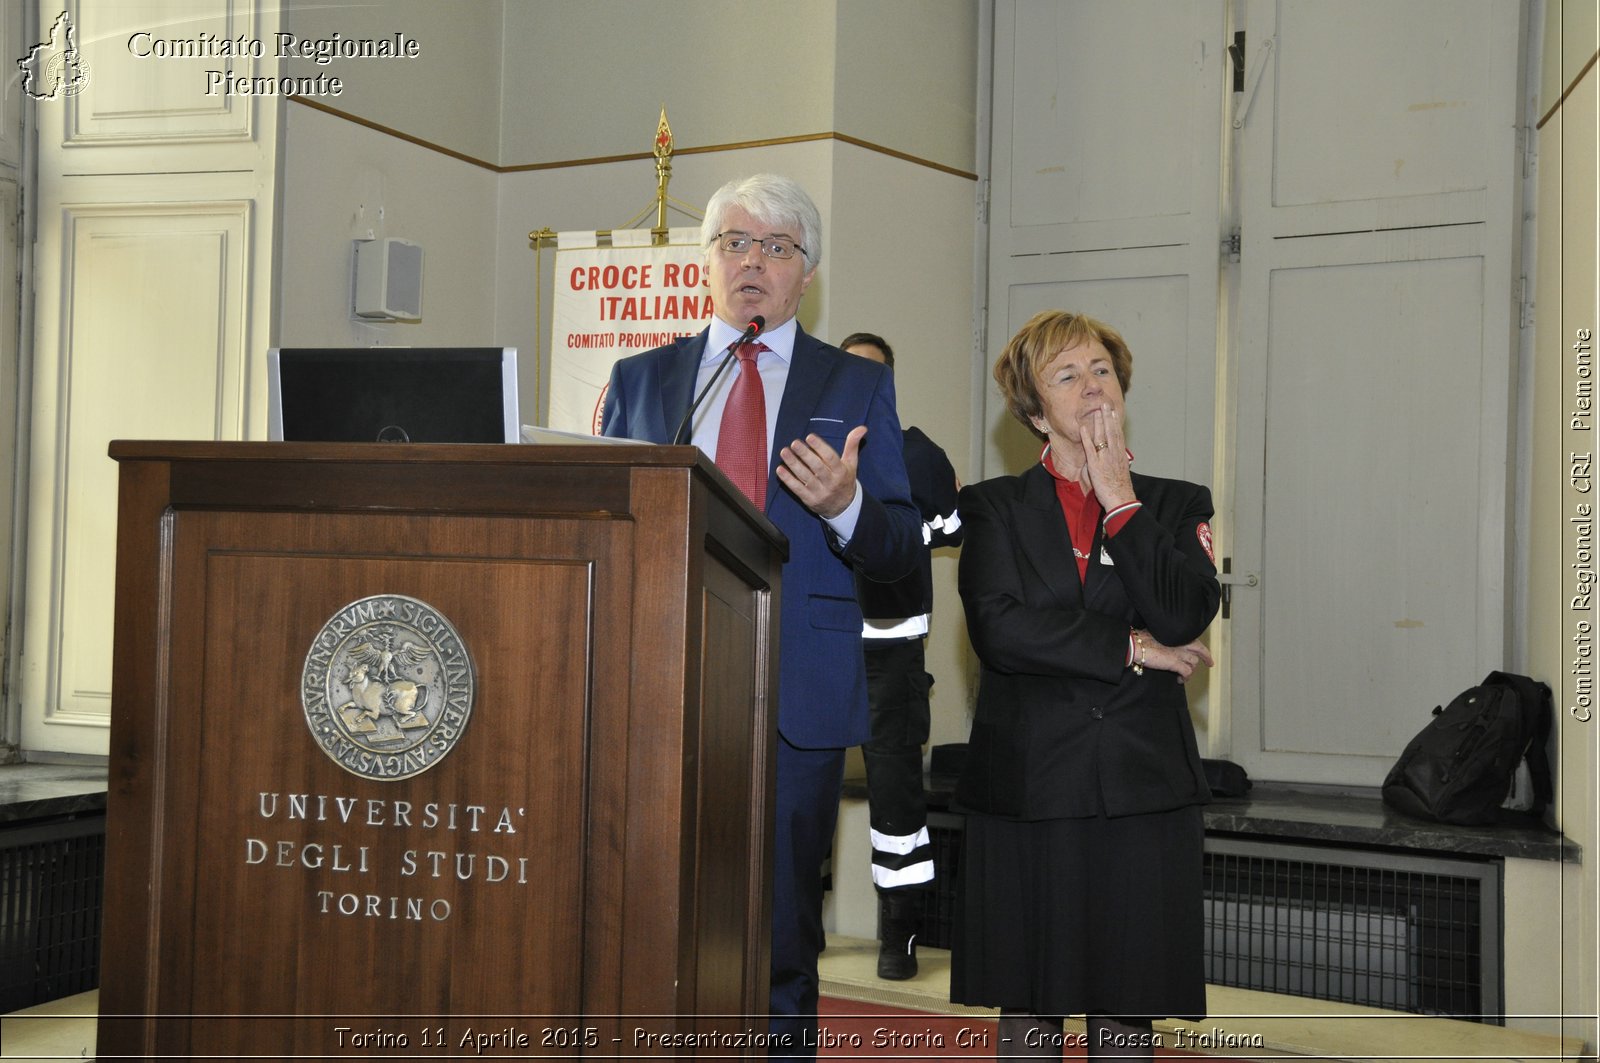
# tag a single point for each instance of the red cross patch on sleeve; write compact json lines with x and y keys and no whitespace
{"x":1203,"y":533}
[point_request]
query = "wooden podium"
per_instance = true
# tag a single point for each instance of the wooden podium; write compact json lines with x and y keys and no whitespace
{"x":438,"y":750}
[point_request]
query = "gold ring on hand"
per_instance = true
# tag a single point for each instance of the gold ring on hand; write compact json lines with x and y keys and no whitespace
{"x":1100,"y":446}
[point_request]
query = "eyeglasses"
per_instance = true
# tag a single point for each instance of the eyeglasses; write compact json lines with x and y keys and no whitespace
{"x":737,"y":243}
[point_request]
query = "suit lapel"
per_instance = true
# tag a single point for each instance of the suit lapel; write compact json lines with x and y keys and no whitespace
{"x":807,"y":376}
{"x":1094,"y":576}
{"x":1100,"y":590}
{"x":1042,"y":535}
{"x":677,"y":384}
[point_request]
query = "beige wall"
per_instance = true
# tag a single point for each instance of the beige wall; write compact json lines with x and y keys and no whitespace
{"x":905,"y":77}
{"x":448,"y":95}
{"x":341,"y":182}
{"x":1565,"y":301}
{"x":561,"y":81}
{"x":586,"y":80}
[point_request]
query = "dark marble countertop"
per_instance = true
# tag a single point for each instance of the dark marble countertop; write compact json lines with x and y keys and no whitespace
{"x":1361,"y":818}
{"x":37,"y":791}
{"x":1343,"y":817}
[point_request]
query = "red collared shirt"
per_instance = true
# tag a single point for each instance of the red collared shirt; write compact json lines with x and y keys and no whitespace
{"x":1083,"y":513}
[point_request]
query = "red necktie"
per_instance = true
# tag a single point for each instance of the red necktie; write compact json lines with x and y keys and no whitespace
{"x":742,"y":439}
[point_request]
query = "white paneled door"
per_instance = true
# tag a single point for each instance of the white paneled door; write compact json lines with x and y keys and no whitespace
{"x":1106,"y":200}
{"x":1380,"y":171}
{"x":153,"y":309}
{"x":1311,"y":247}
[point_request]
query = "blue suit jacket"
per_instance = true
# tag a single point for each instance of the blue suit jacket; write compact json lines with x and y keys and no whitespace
{"x":822,"y":687}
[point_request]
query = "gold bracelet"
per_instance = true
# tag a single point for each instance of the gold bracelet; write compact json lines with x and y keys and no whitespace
{"x":1138,"y":661}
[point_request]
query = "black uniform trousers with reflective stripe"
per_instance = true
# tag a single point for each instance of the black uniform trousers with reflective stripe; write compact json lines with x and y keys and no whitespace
{"x":897,"y":693}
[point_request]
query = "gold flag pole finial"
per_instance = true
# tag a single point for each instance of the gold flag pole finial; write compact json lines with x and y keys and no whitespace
{"x":663,"y":154}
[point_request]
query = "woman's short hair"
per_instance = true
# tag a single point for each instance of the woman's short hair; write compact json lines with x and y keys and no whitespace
{"x":869,"y":339}
{"x":772,"y":199}
{"x":1046,"y":335}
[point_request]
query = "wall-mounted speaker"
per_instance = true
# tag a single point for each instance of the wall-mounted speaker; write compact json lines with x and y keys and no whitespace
{"x":388,"y":283}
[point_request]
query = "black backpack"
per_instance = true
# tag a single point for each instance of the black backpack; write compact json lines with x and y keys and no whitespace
{"x":1461,"y":767}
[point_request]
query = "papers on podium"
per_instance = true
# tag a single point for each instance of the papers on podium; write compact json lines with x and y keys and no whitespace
{"x":533,"y":433}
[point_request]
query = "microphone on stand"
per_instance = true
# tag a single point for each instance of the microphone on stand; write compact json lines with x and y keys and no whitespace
{"x":751,"y":331}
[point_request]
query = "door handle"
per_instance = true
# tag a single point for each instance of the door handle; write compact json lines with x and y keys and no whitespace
{"x":1229,"y":580}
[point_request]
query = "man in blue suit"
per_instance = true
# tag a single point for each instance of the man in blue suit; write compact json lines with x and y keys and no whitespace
{"x":834,"y":483}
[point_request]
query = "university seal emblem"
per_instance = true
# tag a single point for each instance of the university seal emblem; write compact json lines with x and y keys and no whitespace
{"x":387,"y":687}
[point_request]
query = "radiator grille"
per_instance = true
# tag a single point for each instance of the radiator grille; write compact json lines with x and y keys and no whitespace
{"x":1409,"y":933}
{"x":50,"y":892}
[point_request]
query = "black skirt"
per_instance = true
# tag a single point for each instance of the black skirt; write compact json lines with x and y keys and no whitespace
{"x":1073,"y":916}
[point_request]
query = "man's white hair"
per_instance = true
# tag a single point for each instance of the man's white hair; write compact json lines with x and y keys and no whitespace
{"x":773,"y":200}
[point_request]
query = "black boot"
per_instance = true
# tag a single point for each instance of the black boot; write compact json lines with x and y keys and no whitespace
{"x":899,"y":918}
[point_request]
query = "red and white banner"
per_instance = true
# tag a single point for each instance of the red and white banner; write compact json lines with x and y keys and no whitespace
{"x":614,"y":301}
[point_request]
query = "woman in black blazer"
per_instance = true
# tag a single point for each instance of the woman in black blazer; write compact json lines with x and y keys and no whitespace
{"x":1086,"y":588}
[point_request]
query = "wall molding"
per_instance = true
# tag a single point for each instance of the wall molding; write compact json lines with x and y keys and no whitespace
{"x":1554,"y":107}
{"x":804,"y":138}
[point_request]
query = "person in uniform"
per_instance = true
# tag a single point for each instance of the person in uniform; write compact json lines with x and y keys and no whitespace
{"x":898,"y":683}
